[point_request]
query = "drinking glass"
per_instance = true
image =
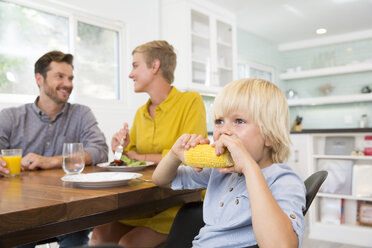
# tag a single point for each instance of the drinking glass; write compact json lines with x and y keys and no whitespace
{"x":73,"y":158}
{"x":12,"y":158}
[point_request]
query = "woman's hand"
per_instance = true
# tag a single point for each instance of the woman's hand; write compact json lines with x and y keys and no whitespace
{"x":135,"y":155}
{"x":123,"y":134}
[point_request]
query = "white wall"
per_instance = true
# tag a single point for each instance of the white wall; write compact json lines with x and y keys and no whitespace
{"x":141,"y":21}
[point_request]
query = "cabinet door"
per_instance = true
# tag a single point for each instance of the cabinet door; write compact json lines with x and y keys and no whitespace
{"x":204,"y":38}
{"x":224,"y":53}
{"x":201,"y":48}
{"x":299,"y":157}
{"x":212,"y":49}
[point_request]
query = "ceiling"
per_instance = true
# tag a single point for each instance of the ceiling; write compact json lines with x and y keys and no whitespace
{"x":287,"y":21}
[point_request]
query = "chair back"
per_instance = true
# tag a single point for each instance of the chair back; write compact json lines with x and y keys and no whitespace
{"x":312,"y":184}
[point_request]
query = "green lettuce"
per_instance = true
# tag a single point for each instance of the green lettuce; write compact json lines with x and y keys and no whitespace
{"x":132,"y":162}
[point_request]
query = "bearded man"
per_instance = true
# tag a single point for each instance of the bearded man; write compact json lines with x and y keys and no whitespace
{"x":41,"y":128}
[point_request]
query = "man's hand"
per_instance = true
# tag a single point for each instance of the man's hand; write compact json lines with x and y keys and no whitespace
{"x":3,"y":170}
{"x":34,"y":161}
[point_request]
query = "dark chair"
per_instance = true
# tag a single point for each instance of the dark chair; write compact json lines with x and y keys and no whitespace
{"x":186,"y":225}
{"x":189,"y":218}
{"x":100,"y":246}
{"x":312,"y":184}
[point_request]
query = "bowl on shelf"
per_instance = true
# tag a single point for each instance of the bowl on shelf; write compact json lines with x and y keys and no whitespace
{"x":325,"y":89}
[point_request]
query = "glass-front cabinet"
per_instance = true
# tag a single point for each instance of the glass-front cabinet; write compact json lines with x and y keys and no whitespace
{"x":225,"y":53}
{"x":204,"y":38}
{"x":200,"y":48}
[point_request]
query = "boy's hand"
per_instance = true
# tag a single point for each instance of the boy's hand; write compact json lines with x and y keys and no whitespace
{"x":238,"y":152}
{"x":185,"y":142}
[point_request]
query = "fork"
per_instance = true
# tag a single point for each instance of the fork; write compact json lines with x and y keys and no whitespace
{"x":119,"y":149}
{"x":144,"y":180}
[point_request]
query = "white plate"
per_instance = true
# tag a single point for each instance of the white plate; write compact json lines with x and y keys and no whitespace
{"x":100,"y":179}
{"x":124,"y":168}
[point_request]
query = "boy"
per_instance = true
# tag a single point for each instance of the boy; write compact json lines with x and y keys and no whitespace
{"x":259,"y":200}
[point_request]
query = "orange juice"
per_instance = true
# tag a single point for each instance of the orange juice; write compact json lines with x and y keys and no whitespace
{"x":13,"y":164}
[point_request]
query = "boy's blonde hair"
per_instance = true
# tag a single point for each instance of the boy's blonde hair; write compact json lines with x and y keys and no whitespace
{"x":265,"y":104}
{"x":164,"y":52}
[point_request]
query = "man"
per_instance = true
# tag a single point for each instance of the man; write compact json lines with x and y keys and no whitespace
{"x":41,"y":128}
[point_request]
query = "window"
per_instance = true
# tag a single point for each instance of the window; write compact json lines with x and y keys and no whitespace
{"x":97,"y":62}
{"x":25,"y":35}
{"x":252,"y":70}
{"x":27,"y":32}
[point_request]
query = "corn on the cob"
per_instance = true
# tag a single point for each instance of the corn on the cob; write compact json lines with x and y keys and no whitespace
{"x":204,"y":156}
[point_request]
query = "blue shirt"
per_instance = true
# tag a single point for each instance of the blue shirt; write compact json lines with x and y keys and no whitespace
{"x":227,"y":211}
{"x":28,"y":128}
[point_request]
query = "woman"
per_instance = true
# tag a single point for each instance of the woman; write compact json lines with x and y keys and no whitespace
{"x":157,"y":125}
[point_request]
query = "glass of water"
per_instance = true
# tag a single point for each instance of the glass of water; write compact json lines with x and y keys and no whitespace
{"x":73,"y":158}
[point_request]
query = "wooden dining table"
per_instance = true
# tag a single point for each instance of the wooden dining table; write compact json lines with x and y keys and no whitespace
{"x":38,"y":205}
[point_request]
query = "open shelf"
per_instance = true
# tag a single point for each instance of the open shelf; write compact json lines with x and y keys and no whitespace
{"x":344,"y":233}
{"x":225,"y":68}
{"x":318,"y":156}
{"x":327,"y":71}
{"x":223,"y":43}
{"x":334,"y":214}
{"x":200,"y":36}
{"x":198,"y":61}
{"x":330,"y":100}
{"x":348,"y":197}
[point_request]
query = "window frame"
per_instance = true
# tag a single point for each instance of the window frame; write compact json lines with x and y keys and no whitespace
{"x":261,"y":67}
{"x":75,"y":15}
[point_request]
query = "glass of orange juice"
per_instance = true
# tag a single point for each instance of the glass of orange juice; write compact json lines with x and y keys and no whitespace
{"x":12,"y":158}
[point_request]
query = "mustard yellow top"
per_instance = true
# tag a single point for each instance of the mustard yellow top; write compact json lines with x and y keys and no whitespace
{"x":181,"y":112}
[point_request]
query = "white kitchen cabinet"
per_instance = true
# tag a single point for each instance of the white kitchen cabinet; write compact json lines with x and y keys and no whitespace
{"x":329,"y":71}
{"x":204,"y":37}
{"x":300,"y":154}
{"x":333,"y":214}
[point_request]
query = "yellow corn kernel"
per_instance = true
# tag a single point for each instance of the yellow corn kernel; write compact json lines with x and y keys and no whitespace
{"x":204,"y":156}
